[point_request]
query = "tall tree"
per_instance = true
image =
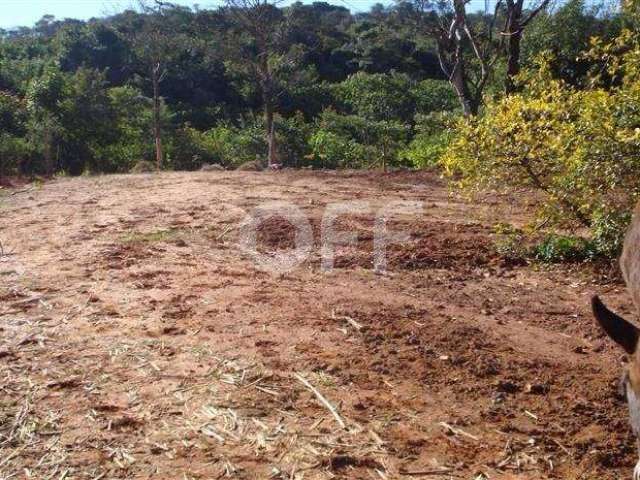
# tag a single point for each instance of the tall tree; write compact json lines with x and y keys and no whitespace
{"x":260,"y":29}
{"x":153,"y":41}
{"x":467,"y":52}
{"x":465,"y":45}
{"x":469,"y":44}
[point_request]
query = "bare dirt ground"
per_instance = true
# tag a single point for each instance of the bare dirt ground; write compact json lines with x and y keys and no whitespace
{"x":138,"y":341}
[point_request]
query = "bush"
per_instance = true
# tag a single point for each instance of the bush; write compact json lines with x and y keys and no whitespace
{"x":581,"y":148}
{"x":233,"y":146}
{"x":517,"y":246}
{"x":560,"y":248}
{"x":434,"y":133}
{"x":293,"y":136}
{"x":236,"y":146}
{"x":16,"y":155}
{"x":194,"y":148}
{"x":225,"y":145}
{"x":332,"y":150}
{"x":350,"y":141}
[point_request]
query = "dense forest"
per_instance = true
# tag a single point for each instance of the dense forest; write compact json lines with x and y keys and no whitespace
{"x":545,"y":96}
{"x":343,"y":89}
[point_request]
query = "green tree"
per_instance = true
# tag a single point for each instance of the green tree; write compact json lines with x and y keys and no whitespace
{"x":379,"y":96}
{"x":14,"y":149}
{"x":260,"y":28}
{"x":566,"y":33}
{"x":44,"y":103}
{"x":154,"y":40}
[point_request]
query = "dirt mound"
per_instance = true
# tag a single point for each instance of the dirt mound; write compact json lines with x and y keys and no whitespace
{"x":276,"y":233}
{"x":446,"y":246}
{"x":463,"y":247}
{"x":439,"y":245}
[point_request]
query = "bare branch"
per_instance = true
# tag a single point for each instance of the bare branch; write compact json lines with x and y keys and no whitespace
{"x":534,"y":13}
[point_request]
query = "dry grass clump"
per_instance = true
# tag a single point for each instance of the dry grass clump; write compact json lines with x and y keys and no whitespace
{"x":143,"y":166}
{"x":251,"y":166}
{"x":249,"y":412}
{"x":212,"y":167}
{"x":29,"y":435}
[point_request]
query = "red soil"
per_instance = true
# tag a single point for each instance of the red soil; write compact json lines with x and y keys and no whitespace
{"x":138,"y":341}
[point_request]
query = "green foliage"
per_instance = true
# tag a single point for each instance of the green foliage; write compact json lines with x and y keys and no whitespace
{"x":331,"y":150}
{"x":307,"y":96}
{"x":15,"y":151}
{"x":350,"y":141}
{"x":86,"y":121}
{"x":240,"y":145}
{"x":293,"y":136}
{"x":434,"y":133}
{"x":608,"y":231}
{"x":77,"y":124}
{"x":13,"y":114}
{"x":131,"y":125}
{"x":378,"y":97}
{"x":567,"y":33}
{"x":560,"y":248}
{"x":194,"y":148}
{"x":347,"y":90}
{"x":232,"y":146}
{"x":516,"y":245}
{"x":45,"y":92}
{"x":226,"y":145}
{"x":15,"y":154}
{"x":435,"y":96}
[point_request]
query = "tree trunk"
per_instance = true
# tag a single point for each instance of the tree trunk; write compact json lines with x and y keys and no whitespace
{"x":384,"y":158}
{"x":452,"y":63}
{"x":513,"y":62}
{"x":271,"y":137}
{"x":460,"y":84}
{"x":514,"y":39}
{"x":47,"y":153}
{"x":157,"y":131}
{"x":272,"y":156}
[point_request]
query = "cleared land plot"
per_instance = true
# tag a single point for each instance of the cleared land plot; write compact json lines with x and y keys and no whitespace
{"x":138,"y":341}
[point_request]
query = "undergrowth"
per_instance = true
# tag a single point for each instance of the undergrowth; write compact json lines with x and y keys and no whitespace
{"x":514,"y":245}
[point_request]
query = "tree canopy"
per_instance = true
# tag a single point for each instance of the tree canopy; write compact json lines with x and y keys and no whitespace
{"x":173,"y":84}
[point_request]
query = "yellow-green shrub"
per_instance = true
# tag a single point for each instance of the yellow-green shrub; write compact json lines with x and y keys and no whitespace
{"x":581,"y":148}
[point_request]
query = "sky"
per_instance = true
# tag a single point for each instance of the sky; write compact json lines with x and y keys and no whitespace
{"x":15,"y":13}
